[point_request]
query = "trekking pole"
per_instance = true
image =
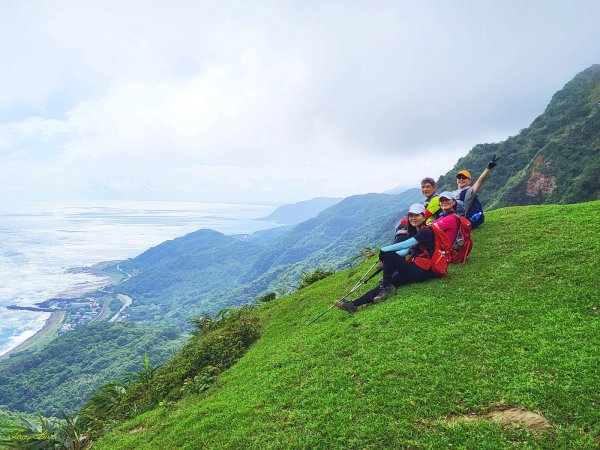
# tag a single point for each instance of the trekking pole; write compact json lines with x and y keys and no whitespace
{"x":358,"y":284}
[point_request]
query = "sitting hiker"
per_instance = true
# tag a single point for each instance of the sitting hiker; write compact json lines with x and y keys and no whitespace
{"x":447,"y":204}
{"x":456,"y":227}
{"x":467,"y":194}
{"x":448,"y":219}
{"x":403,"y":263}
{"x":432,"y":202}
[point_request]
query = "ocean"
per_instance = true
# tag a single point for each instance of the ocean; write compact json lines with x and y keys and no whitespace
{"x":40,"y":242}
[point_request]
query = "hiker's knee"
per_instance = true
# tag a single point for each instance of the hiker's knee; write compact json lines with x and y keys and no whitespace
{"x":386,"y":257}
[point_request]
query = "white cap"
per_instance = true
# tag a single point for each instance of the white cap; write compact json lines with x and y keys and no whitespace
{"x":416,"y":208}
{"x":447,"y":195}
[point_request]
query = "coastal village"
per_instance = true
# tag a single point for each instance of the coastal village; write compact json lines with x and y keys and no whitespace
{"x":86,"y":307}
{"x":81,"y":311}
{"x":88,"y":304}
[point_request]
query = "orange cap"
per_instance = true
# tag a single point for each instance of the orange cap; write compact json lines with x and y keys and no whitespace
{"x":465,"y":173}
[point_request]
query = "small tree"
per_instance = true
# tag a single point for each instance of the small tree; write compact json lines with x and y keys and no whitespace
{"x":364,"y":255}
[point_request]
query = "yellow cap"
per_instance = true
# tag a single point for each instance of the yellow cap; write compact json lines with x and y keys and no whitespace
{"x":465,"y":173}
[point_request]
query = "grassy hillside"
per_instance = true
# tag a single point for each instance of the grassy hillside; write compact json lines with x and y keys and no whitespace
{"x":517,"y":326}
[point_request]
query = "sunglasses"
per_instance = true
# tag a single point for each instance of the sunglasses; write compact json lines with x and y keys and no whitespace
{"x":461,"y":177}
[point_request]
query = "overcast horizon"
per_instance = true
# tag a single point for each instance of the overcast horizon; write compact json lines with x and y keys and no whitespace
{"x":271,"y":101}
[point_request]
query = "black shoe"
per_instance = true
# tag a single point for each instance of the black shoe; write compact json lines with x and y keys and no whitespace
{"x":346,"y":306}
{"x":384,"y":292}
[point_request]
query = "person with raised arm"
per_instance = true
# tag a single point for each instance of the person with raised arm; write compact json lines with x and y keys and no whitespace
{"x":467,"y":194}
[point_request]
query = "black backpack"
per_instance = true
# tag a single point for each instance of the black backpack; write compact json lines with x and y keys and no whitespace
{"x":475,"y":212}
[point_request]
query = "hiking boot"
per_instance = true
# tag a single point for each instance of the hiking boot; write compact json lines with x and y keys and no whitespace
{"x":384,"y":292}
{"x":346,"y":306}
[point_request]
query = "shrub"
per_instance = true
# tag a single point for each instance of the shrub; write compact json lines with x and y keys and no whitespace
{"x":44,"y":433}
{"x":312,"y":277}
{"x":265,"y":298}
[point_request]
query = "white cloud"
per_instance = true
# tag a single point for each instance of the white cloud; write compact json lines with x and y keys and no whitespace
{"x":270,"y":101}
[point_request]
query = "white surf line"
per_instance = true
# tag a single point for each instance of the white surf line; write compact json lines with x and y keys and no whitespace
{"x":54,"y":319}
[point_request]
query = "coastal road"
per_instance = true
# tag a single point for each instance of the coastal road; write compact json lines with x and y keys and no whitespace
{"x":126,"y":302}
{"x":122,"y":271}
{"x":104,"y":311}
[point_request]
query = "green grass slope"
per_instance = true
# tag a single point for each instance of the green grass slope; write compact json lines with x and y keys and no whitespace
{"x":516,"y":326}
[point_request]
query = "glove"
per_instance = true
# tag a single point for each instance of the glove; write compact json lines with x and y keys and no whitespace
{"x":493,"y":162}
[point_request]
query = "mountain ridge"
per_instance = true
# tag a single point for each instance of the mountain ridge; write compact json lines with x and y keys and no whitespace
{"x":554,"y":160}
{"x":295,"y":213}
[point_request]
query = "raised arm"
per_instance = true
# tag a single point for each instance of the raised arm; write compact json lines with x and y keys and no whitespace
{"x":485,"y":174}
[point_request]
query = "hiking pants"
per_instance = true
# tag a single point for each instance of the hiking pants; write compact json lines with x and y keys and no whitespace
{"x":367,"y":298}
{"x":408,"y":272}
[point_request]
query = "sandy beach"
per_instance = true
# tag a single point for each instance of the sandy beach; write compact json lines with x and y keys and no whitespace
{"x":52,"y":321}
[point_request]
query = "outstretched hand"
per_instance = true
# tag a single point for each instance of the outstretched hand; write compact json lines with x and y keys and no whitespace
{"x":493,"y":162}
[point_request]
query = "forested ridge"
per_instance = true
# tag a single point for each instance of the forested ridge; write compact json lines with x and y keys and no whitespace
{"x":63,"y":374}
{"x":206,"y":271}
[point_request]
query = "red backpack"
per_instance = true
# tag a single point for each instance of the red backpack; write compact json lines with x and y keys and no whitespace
{"x":442,"y":251}
{"x":463,"y":243}
{"x":446,"y":252}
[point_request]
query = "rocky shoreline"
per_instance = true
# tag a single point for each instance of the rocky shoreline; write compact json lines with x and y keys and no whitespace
{"x":50,"y":323}
{"x":31,"y":308}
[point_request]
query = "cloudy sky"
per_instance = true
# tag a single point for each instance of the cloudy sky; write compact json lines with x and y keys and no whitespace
{"x":269,"y":101}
